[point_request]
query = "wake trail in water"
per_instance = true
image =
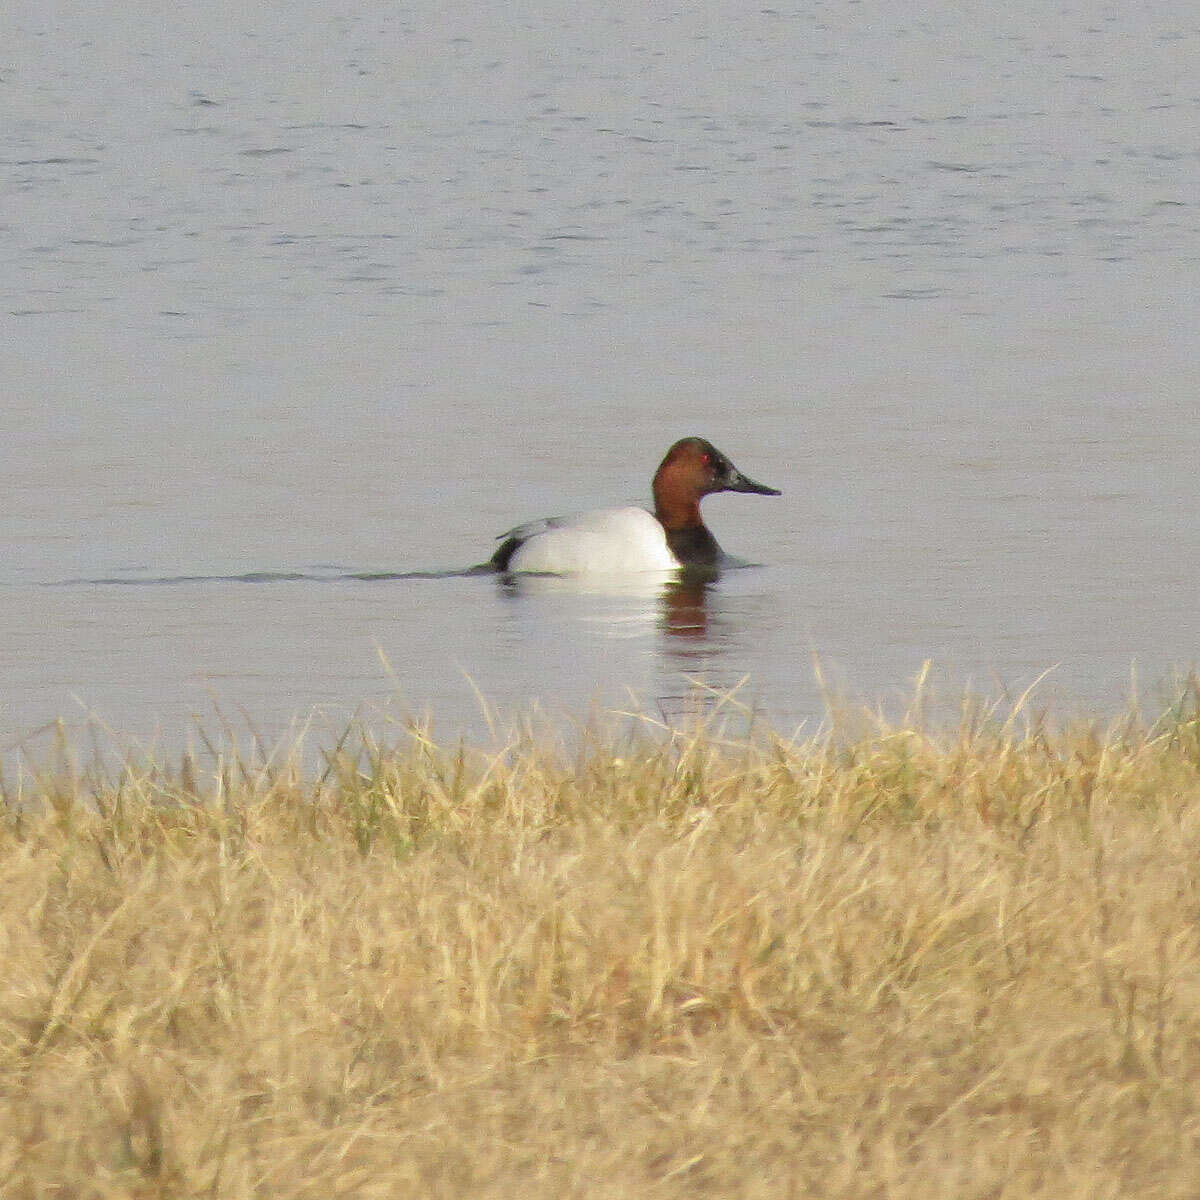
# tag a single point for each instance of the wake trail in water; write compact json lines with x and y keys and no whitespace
{"x":273,"y":577}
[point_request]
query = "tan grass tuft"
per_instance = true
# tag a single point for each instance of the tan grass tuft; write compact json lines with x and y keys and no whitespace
{"x":648,"y":963}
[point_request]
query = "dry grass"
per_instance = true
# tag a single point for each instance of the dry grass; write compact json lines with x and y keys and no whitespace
{"x":905,"y":965}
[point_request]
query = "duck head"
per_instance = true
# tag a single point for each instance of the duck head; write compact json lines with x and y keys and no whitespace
{"x":692,"y":469}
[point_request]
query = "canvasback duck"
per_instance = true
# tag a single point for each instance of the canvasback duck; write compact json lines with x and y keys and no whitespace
{"x":618,"y":540}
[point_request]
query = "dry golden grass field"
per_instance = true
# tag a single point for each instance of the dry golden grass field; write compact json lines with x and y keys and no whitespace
{"x":894,"y":963}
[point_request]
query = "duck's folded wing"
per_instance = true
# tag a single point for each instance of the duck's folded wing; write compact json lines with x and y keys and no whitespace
{"x":522,"y":533}
{"x":515,"y":538}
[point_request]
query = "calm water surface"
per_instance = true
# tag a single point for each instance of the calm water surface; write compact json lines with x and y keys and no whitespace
{"x":347,"y":289}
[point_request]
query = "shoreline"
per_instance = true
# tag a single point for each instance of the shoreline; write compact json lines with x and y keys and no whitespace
{"x":656,"y":962}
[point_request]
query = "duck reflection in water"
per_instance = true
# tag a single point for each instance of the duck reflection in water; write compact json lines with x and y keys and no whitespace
{"x":685,"y":608}
{"x":678,"y":603}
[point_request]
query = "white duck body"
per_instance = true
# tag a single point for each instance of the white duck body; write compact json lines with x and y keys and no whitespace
{"x":605,"y":541}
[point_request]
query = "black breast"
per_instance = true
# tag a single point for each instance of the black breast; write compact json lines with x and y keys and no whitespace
{"x":694,"y":546}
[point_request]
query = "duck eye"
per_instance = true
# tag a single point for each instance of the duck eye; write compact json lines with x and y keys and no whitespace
{"x":706,"y":459}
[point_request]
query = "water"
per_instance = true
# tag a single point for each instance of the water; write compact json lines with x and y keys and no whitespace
{"x":338,"y":289}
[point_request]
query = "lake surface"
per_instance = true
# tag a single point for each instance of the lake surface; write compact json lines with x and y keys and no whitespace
{"x":339,"y":289}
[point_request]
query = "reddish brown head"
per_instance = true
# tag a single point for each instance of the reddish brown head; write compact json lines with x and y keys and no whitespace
{"x":693,"y":469}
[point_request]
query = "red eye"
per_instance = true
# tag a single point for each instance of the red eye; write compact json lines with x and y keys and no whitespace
{"x":706,"y":459}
